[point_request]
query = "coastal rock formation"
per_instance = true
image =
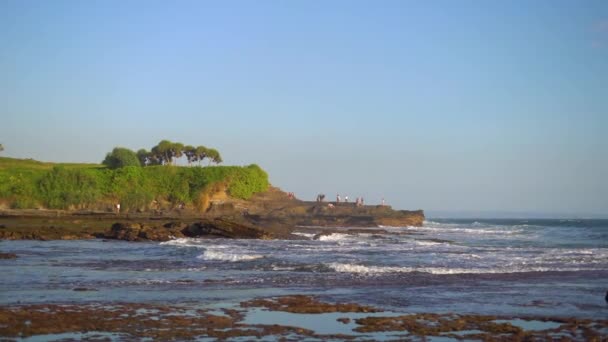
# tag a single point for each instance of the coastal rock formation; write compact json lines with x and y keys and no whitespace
{"x":272,"y":214}
{"x":226,"y":229}
{"x":275,"y":205}
{"x":207,"y":228}
{"x":141,"y":232}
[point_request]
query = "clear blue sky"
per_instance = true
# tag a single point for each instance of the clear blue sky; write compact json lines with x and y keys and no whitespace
{"x":441,"y":105}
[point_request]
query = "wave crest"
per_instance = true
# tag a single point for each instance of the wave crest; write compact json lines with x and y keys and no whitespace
{"x":212,"y":255}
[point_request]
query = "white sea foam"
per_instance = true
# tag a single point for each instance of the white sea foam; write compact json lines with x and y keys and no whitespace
{"x":182,"y":242}
{"x":307,"y":235}
{"x":232,"y":257}
{"x":354,"y":268}
{"x":335,"y":237}
{"x":427,"y":243}
{"x":495,"y":231}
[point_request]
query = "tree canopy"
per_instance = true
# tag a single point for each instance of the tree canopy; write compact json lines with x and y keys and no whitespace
{"x":121,"y":157}
{"x":164,"y":153}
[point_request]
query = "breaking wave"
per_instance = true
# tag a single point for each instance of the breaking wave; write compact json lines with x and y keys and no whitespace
{"x":213,"y":255}
{"x":362,"y":269}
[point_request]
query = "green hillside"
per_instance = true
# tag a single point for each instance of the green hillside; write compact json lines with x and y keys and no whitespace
{"x":26,"y":183}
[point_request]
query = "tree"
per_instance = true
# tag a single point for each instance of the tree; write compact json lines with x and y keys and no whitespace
{"x":214,"y":156}
{"x":143,"y":156}
{"x":177,"y":151}
{"x":190,"y":153}
{"x":1,"y":148}
{"x":166,"y":150}
{"x":121,"y":157}
{"x":201,"y":153}
{"x":161,"y":152}
{"x":146,"y":158}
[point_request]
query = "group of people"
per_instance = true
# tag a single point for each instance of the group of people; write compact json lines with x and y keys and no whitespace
{"x":358,"y":201}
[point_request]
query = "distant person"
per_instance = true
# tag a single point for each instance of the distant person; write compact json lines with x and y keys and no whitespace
{"x":117,"y":208}
{"x":383,"y":203}
{"x":361,"y":201}
{"x":345,"y":199}
{"x":338,"y":198}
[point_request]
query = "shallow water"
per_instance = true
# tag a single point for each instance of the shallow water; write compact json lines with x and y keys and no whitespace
{"x":506,"y":267}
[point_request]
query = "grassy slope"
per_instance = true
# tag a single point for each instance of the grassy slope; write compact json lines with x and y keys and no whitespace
{"x":26,"y":183}
{"x":31,"y":164}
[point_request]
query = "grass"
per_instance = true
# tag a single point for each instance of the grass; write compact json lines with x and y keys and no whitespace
{"x":26,"y":183}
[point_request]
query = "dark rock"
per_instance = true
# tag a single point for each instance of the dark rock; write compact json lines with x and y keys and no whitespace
{"x":175,"y":225}
{"x":8,"y":256}
{"x":83,"y":289}
{"x":344,"y":320}
{"x":227,"y":229}
{"x":141,"y":232}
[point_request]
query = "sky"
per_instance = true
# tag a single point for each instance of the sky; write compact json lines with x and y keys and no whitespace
{"x":448,"y":106}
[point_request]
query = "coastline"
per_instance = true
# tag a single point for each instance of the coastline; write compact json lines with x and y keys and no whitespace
{"x":340,"y":283}
{"x":269,"y":215}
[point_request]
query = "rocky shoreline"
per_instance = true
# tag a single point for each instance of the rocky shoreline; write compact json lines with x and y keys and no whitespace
{"x":271,"y":215}
{"x":127,"y":321}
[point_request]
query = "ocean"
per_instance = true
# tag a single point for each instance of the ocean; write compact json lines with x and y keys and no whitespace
{"x":485,"y":266}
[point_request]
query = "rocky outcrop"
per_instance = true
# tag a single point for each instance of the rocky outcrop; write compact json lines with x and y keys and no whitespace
{"x":208,"y":228}
{"x":226,"y":229}
{"x":142,"y":232}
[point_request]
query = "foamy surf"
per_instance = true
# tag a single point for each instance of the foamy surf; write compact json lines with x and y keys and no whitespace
{"x":335,"y":237}
{"x":362,"y":269}
{"x":181,"y":242}
{"x":213,"y":255}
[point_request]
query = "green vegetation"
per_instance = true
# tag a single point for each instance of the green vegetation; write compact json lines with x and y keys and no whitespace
{"x":165,"y":152}
{"x":121,"y":157}
{"x":33,"y":184}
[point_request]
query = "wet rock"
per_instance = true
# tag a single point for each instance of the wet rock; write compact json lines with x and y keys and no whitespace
{"x":8,"y":256}
{"x":141,"y":232}
{"x":83,"y":289}
{"x":306,"y":304}
{"x":220,"y":227}
{"x":344,"y":320}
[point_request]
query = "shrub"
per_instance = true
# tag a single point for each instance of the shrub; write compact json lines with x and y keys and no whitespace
{"x":62,"y":188}
{"x":121,"y":157}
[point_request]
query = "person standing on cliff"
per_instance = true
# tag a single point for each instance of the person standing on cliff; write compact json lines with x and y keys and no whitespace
{"x":338,"y":198}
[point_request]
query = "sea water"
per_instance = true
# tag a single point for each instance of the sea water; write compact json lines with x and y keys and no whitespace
{"x":504,"y":267}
